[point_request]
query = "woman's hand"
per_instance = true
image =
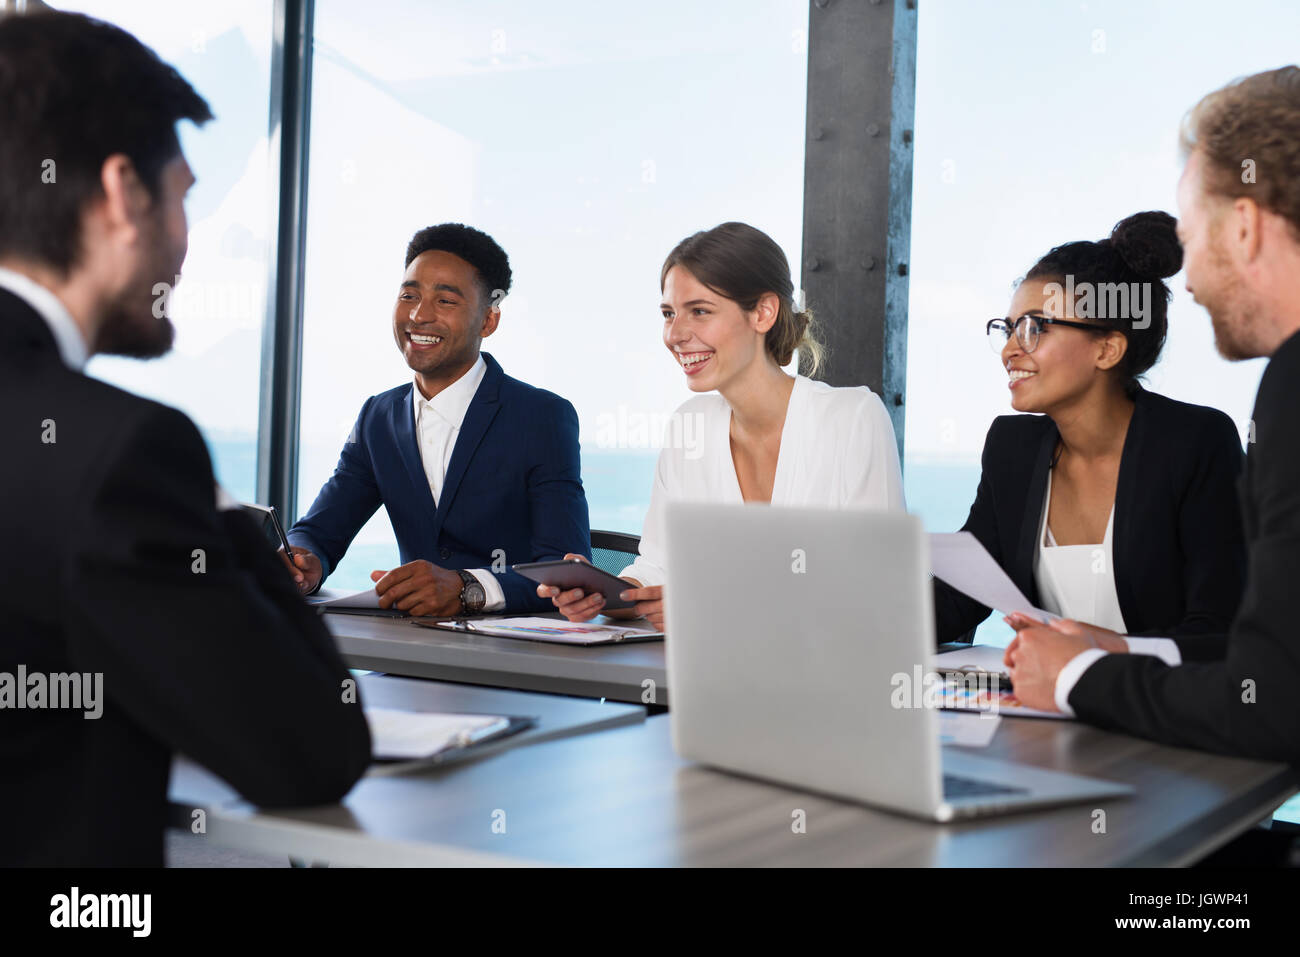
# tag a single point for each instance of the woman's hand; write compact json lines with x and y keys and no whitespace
{"x":574,"y":604}
{"x":578,"y":605}
{"x":649,"y":602}
{"x":1103,"y":638}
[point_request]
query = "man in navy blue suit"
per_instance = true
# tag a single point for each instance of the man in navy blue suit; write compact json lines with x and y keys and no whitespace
{"x":478,"y":471}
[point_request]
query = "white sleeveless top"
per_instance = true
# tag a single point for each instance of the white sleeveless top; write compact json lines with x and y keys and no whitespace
{"x":1077,"y":581}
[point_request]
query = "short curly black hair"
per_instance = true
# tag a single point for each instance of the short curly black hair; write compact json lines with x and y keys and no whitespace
{"x":472,"y":245}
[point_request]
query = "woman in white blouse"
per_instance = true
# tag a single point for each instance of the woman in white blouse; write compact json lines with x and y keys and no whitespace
{"x":758,"y":434}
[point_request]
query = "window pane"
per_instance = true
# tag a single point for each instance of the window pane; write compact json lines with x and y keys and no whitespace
{"x":213,"y":373}
{"x":1045,"y":124}
{"x":587,"y":139}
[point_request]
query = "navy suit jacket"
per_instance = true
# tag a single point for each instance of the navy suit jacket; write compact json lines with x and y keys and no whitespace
{"x":513,"y":491}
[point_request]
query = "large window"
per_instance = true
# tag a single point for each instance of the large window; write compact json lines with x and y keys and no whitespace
{"x":218,"y":308}
{"x":587,"y":138}
{"x":1037,"y":125}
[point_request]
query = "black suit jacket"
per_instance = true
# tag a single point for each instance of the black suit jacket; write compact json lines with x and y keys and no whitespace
{"x":1177,"y":542}
{"x":115,"y":560}
{"x":1247,"y":703}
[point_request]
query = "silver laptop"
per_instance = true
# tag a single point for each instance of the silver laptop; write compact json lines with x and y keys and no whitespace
{"x":789,"y":631}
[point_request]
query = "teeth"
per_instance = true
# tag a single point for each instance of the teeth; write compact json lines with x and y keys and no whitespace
{"x":1017,"y":374}
{"x":690,"y":360}
{"x":424,"y":340}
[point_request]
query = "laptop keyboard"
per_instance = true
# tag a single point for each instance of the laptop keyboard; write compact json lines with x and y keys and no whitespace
{"x":959,"y":787}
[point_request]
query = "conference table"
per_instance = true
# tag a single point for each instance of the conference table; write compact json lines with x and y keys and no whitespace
{"x":630,"y":672}
{"x":620,"y":796}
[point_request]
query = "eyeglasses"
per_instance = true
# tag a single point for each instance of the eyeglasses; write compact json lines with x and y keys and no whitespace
{"x":1027,"y":330}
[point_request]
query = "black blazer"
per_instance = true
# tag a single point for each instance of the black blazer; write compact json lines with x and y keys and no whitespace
{"x":103,"y":532}
{"x":1247,"y":702}
{"x":1177,"y":541}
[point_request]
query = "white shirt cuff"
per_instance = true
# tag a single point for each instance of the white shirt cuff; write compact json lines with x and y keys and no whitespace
{"x":1166,"y":649}
{"x":1070,"y":675}
{"x":496,"y":598}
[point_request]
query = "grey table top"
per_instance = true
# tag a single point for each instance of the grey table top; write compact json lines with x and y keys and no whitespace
{"x":622,"y":797}
{"x":632,"y":673}
{"x":192,"y":787}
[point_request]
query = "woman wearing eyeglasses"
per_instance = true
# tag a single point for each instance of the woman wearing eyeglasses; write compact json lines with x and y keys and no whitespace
{"x":1113,"y":505}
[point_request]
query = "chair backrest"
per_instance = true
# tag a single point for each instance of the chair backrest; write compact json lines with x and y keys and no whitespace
{"x":613,"y":551}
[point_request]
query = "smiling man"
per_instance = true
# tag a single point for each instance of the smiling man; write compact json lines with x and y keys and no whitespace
{"x":1239,"y":209}
{"x":478,"y":471}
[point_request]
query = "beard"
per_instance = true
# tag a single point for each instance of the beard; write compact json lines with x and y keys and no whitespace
{"x":130,"y":329}
{"x":1234,"y":313}
{"x":136,"y":323}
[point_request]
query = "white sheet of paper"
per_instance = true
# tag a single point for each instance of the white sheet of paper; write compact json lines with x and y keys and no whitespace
{"x":345,"y":599}
{"x":960,"y":560}
{"x":967,"y":729}
{"x":408,"y":735}
{"x":555,"y":629}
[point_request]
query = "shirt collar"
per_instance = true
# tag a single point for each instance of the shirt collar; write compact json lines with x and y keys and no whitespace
{"x":66,"y":332}
{"x":452,"y":403}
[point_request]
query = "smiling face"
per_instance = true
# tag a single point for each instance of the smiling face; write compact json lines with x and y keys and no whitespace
{"x":1065,"y":364}
{"x":1212,"y":277}
{"x":711,"y":338}
{"x":442,"y":316}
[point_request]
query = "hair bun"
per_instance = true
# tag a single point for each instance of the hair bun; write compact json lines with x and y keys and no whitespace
{"x":1148,"y":243}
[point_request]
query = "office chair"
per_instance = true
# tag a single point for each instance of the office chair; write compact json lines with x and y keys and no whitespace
{"x":613,"y":551}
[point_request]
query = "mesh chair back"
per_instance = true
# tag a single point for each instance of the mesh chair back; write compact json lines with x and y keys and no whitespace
{"x":613,"y":551}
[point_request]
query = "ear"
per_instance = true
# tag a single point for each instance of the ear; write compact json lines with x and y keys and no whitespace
{"x":1244,"y":228}
{"x":126,"y":201}
{"x":1113,"y":347}
{"x":491,"y":319}
{"x":765,"y":312}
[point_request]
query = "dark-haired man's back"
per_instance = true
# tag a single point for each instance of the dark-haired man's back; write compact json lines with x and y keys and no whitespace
{"x":137,"y":619}
{"x":118,"y":563}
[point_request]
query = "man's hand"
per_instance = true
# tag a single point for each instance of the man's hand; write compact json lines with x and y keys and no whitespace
{"x":419,"y":588}
{"x":1036,"y":656}
{"x":1106,"y":639}
{"x":305,"y":568}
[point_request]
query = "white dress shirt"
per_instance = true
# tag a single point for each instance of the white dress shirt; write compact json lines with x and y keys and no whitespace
{"x":837,"y":451}
{"x":437,"y":425}
{"x":1078,"y":582}
{"x":66,"y":332}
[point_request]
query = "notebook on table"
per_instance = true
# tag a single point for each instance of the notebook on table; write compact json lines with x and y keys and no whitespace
{"x":428,"y":737}
{"x":554,"y":630}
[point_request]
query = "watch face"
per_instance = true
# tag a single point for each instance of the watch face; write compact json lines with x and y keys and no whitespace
{"x":475,"y":595}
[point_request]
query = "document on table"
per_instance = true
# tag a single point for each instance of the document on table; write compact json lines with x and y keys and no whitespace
{"x":337,"y":598}
{"x":550,"y":629}
{"x":967,"y":729}
{"x":410,"y":735}
{"x":960,"y":560}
